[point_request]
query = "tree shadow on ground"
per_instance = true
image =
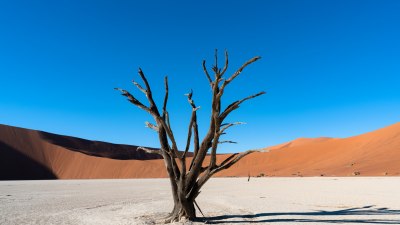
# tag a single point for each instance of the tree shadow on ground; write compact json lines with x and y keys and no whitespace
{"x":358,"y":211}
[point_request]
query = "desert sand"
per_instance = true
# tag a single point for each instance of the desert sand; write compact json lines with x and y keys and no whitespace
{"x":30,"y":154}
{"x":375,"y":153}
{"x":317,"y":200}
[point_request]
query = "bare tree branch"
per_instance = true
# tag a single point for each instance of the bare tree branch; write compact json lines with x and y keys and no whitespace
{"x":236,"y":104}
{"x":225,"y":126}
{"x":151,"y":126}
{"x":215,"y":68}
{"x":139,"y":87}
{"x":177,"y":172}
{"x":216,"y":58}
{"x":151,"y":151}
{"x":146,"y":83}
{"x":238,"y":157}
{"x":226,"y":63}
{"x":229,"y":142}
{"x":206,"y":73}
{"x":165,"y":113}
{"x":148,"y":93}
{"x":171,"y":137}
{"x":192,"y":119}
{"x":196,"y":134}
{"x":228,"y":159}
{"x":202,"y":169}
{"x":196,"y":141}
{"x":227,"y":81}
{"x":193,"y":125}
{"x":133,"y":100}
{"x":189,"y":136}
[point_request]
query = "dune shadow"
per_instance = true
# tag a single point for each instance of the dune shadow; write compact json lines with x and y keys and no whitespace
{"x":271,"y":217}
{"x":16,"y":166}
{"x":97,"y":148}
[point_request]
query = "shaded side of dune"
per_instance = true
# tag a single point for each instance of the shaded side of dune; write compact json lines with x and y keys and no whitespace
{"x":97,"y":148}
{"x":30,"y":154}
{"x":17,"y":166}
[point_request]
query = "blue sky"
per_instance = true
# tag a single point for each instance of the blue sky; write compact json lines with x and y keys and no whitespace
{"x":331,"y":68}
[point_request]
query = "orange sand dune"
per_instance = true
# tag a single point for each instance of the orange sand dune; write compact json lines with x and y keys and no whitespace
{"x":375,"y":153}
{"x":298,"y":142}
{"x":29,"y":154}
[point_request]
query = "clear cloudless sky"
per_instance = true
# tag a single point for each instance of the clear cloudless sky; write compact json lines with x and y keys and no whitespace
{"x":330,"y":68}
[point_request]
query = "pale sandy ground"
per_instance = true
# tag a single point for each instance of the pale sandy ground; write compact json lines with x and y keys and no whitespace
{"x":316,"y":200}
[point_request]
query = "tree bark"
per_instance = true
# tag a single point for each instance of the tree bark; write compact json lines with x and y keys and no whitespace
{"x":183,"y":208}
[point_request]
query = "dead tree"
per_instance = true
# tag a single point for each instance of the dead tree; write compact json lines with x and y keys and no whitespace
{"x":187,"y":179}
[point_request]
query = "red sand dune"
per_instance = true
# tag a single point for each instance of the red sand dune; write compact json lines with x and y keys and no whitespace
{"x":375,"y":153}
{"x":29,"y":154}
{"x":68,"y":157}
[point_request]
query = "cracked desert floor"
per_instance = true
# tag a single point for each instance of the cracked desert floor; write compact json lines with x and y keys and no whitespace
{"x":313,"y":200}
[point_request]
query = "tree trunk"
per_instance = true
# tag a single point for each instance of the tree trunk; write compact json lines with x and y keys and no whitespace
{"x":183,"y":210}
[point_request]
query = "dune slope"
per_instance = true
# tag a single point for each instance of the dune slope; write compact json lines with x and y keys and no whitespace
{"x":30,"y":154}
{"x":375,"y":153}
{"x":68,"y":157}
